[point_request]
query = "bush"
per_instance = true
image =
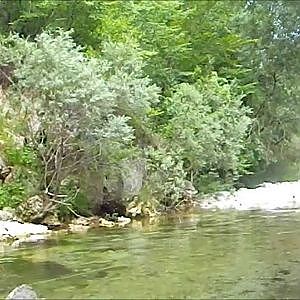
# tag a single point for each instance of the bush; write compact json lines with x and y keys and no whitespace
{"x":166,"y":177}
{"x":208,"y":126}
{"x":84,"y":107}
{"x":12,"y":194}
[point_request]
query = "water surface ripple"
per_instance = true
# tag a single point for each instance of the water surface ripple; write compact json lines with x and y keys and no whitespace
{"x":209,"y":255}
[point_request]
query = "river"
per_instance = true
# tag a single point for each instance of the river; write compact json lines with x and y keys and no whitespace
{"x":237,"y":255}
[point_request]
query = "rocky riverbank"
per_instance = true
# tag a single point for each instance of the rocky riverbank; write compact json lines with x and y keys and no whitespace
{"x":267,"y":196}
{"x":15,"y":232}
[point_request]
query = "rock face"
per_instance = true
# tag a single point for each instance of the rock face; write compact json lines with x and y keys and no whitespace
{"x":29,"y":210}
{"x":268,"y":196}
{"x":21,"y":292}
{"x":132,"y":177}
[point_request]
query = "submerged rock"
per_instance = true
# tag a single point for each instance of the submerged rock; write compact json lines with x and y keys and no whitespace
{"x":32,"y":239}
{"x":268,"y":196}
{"x":21,"y":292}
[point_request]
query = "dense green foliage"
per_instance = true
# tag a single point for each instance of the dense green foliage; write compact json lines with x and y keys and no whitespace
{"x":207,"y":125}
{"x":202,"y":91}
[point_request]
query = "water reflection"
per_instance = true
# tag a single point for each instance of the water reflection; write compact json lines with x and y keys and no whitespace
{"x":205,"y":255}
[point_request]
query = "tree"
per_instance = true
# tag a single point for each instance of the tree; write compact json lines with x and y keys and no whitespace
{"x":273,"y":61}
{"x":29,"y":18}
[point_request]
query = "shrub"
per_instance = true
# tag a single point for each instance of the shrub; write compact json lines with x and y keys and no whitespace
{"x":208,"y":126}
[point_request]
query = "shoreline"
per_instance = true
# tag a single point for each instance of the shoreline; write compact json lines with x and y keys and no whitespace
{"x":268,"y":196}
{"x":14,"y":233}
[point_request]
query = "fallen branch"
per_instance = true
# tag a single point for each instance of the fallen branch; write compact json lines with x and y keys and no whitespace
{"x":68,"y":207}
{"x":55,"y":195}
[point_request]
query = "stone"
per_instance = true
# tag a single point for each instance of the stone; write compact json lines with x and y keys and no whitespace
{"x":6,"y":174}
{"x":32,"y":239}
{"x":6,"y":215}
{"x":83,"y":224}
{"x":28,"y":210}
{"x":9,"y":209}
{"x":106,"y":223}
{"x":22,"y":292}
{"x":19,"y":141}
{"x":135,"y":211}
{"x":137,"y":208}
{"x":16,"y":229}
{"x":78,"y":228}
{"x":52,"y":221}
{"x":81,"y":221}
{"x":122,"y":221}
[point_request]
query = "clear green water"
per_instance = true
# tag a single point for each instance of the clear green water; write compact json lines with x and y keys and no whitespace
{"x":205,"y":255}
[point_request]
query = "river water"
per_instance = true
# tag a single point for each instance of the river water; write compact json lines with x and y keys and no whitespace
{"x":211,"y":255}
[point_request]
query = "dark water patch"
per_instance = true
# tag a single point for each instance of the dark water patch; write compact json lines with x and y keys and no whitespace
{"x":34,"y":270}
{"x":277,"y":278}
{"x":294,"y":261}
{"x":17,"y":271}
{"x":109,"y":249}
{"x":101,"y":274}
{"x":284,"y":272}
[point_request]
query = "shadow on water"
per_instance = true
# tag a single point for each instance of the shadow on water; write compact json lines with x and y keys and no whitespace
{"x":36,"y":270}
{"x":20,"y":270}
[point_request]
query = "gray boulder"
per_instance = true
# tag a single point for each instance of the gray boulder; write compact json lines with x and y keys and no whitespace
{"x":21,"y":292}
{"x":133,"y":174}
{"x":127,"y":182}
